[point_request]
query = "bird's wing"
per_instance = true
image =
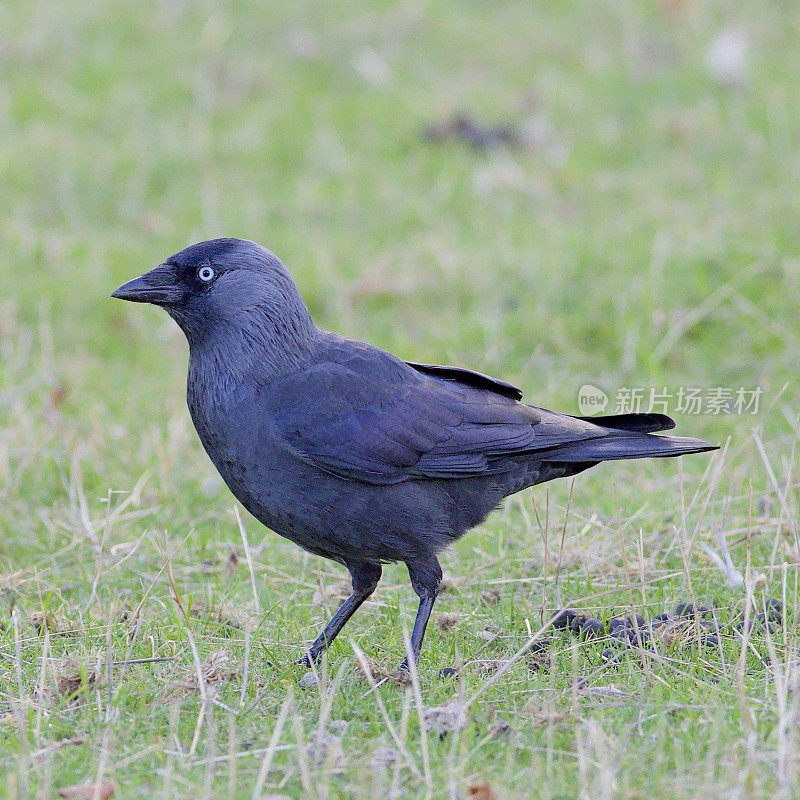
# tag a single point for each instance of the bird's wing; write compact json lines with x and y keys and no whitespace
{"x":467,"y":377}
{"x":369,"y":417}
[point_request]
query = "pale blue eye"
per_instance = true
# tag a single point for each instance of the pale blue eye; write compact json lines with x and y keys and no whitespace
{"x":205,"y":274}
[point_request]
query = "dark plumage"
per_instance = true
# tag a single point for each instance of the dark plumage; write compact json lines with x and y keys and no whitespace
{"x":346,"y":450}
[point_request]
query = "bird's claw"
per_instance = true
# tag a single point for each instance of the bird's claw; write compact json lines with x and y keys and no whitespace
{"x":307,"y":661}
{"x":403,"y":667}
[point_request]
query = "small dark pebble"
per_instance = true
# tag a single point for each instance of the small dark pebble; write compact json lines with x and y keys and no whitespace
{"x":538,"y":646}
{"x":627,"y":622}
{"x":709,"y":641}
{"x":775,"y":610}
{"x":764,"y":621}
{"x":659,"y":620}
{"x":692,"y":611}
{"x":775,"y":617}
{"x":609,"y":654}
{"x":309,"y":680}
{"x":639,"y":637}
{"x":447,"y":673}
{"x":534,"y":663}
{"x":563,"y":619}
{"x":636,"y":619}
{"x":592,"y":628}
{"x":619,"y":637}
{"x":683,"y":609}
{"x":478,"y":135}
{"x":773,"y":604}
{"x":577,"y":624}
{"x":758,"y":624}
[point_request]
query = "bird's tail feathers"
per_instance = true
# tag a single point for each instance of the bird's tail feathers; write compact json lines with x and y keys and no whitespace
{"x":632,"y":445}
{"x":640,"y":423}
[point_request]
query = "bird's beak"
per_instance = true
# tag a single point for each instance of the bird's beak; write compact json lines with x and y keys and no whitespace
{"x":159,"y":286}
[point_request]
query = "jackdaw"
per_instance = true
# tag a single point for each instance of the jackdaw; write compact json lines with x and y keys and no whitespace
{"x":348,"y":451}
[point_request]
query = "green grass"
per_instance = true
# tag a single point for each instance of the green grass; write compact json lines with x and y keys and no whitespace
{"x":649,"y":238}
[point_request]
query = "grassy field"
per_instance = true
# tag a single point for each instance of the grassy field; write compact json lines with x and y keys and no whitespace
{"x":643,"y":233}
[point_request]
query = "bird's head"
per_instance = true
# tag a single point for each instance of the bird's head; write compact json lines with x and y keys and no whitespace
{"x":219,"y":285}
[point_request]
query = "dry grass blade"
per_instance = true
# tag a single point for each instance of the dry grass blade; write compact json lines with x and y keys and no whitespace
{"x":160,"y":572}
{"x":249,"y":557}
{"x":401,"y":746}
{"x":724,"y":563}
{"x":423,"y":727}
{"x":269,"y":755}
{"x":775,"y":485}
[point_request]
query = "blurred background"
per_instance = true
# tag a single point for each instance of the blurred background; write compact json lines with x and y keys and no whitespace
{"x":556,"y":194}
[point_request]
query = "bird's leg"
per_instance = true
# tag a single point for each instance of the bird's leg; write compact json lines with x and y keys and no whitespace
{"x":365,"y":577}
{"x":426,"y":576}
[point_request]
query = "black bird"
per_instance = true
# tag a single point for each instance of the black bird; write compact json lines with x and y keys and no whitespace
{"x":345,"y":449}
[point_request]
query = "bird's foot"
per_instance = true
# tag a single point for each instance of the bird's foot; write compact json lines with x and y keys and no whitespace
{"x":307,"y":660}
{"x":404,"y":669}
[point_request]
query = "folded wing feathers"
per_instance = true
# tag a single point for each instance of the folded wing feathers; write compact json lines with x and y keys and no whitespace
{"x":390,"y":427}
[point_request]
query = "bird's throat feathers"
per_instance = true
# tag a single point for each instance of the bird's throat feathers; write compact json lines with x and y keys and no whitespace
{"x":253,"y":347}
